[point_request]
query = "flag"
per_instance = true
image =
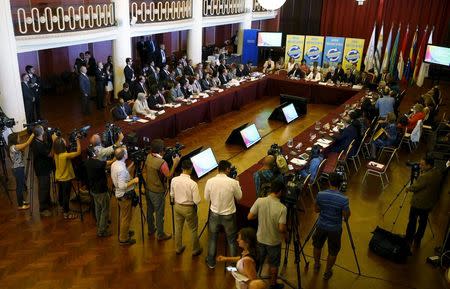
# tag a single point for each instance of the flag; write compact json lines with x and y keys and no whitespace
{"x":423,"y":72}
{"x":368,"y":61}
{"x":394,"y":53}
{"x":387,"y":51}
{"x":401,"y":63}
{"x":378,"y":52}
{"x":410,"y":61}
{"x":420,"y":54}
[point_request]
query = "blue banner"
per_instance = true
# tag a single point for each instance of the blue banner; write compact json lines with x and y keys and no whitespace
{"x":334,"y":49}
{"x":250,"y":46}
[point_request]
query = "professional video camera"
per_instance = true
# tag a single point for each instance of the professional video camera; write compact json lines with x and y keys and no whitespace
{"x":110,"y":135}
{"x":340,"y":170}
{"x":53,"y":130}
{"x":274,"y":150}
{"x":294,"y":185}
{"x":415,"y":169}
{"x":31,"y":125}
{"x":77,"y":134}
{"x":233,"y":172}
{"x":6,"y":122}
{"x":137,"y":154}
{"x":171,"y":152}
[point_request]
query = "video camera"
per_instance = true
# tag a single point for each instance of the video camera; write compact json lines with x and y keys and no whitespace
{"x":6,"y":122}
{"x":31,"y":125}
{"x":415,"y":170}
{"x":294,"y":186}
{"x":172,"y":152}
{"x":137,"y":154}
{"x":77,"y":134}
{"x":110,"y":135}
{"x":233,"y":172}
{"x":340,"y":170}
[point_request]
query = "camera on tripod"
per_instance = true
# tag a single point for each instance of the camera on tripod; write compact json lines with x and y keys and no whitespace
{"x":340,"y":170}
{"x":415,"y":169}
{"x":110,"y":134}
{"x":172,"y":152}
{"x":53,"y":130}
{"x":77,"y":134}
{"x":294,"y":184}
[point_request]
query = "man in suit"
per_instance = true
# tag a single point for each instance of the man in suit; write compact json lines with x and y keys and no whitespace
{"x":128,"y":71}
{"x":199,"y":70}
{"x":100,"y":78}
{"x":35,"y":85}
{"x":91,"y":66}
{"x":240,"y":70}
{"x":155,"y":98}
{"x":176,"y":95}
{"x":164,"y":74}
{"x":222,"y":66}
{"x":196,"y":86}
{"x":339,"y":73}
{"x":161,"y":58}
{"x":183,"y":61}
{"x":125,"y":93}
{"x":28,"y":98}
{"x":80,"y":61}
{"x":189,"y":69}
{"x":140,"y":86}
{"x":150,"y":47}
{"x":223,"y":77}
{"x":122,"y":110}
{"x":247,"y":69}
{"x":205,"y":82}
{"x":142,"y":50}
{"x":153,"y":78}
{"x":85,"y":89}
{"x":179,"y":70}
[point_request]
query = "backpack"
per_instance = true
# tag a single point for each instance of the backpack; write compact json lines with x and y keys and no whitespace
{"x":390,"y":246}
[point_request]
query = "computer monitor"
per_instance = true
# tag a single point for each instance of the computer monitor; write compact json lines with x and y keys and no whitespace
{"x":270,"y":39}
{"x":290,"y":113}
{"x":250,"y":135}
{"x":437,"y":55}
{"x":204,"y":162}
{"x":300,"y":103}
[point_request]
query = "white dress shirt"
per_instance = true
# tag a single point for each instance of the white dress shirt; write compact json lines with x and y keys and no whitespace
{"x":120,"y":177}
{"x":221,"y":190}
{"x":141,"y":107}
{"x":184,"y":190}
{"x":317,"y":77}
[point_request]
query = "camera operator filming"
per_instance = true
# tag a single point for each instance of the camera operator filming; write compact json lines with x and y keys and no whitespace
{"x":103,"y":153}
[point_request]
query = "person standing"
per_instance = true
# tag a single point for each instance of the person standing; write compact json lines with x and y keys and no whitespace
{"x":222,"y":191}
{"x":124,"y":190}
{"x":271,"y":215}
{"x":28,"y":99}
{"x":85,"y":89}
{"x":100,"y":79}
{"x":35,"y":85}
{"x":185,"y":196}
{"x":332,"y":206}
{"x":161,"y":58}
{"x":128,"y":72}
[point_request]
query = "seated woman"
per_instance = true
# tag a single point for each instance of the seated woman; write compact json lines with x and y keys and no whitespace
{"x":280,"y":64}
{"x":140,"y":105}
{"x":291,"y":64}
{"x":388,"y":138}
{"x":246,"y":264}
{"x":304,"y":67}
{"x":268,"y":66}
{"x":412,"y":120}
{"x":347,"y":135}
{"x":314,"y":76}
{"x":296,"y":72}
{"x":313,"y":166}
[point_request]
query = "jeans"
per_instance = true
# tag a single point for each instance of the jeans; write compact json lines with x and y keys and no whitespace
{"x":125,"y":214}
{"x":44,"y":192}
{"x":186,"y":214}
{"x":64,"y":195}
{"x":101,"y":202}
{"x":411,"y":233}
{"x":229,"y":224}
{"x":19,"y":174}
{"x":155,"y":205}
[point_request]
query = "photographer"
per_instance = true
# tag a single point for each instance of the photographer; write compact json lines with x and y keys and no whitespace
{"x":222,"y":191}
{"x":271,"y":214}
{"x":98,"y":185}
{"x":64,"y":173}
{"x":157,"y":173}
{"x":43,"y":167}
{"x":124,"y":190}
{"x":184,"y":193}
{"x":426,"y":190}
{"x":332,"y":206}
{"x":16,"y":155}
{"x":103,"y":153}
{"x":265,"y":176}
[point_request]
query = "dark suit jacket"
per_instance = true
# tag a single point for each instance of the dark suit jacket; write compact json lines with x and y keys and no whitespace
{"x":119,"y":114}
{"x":150,"y":48}
{"x":339,"y":75}
{"x":246,"y":71}
{"x":92,"y":66}
{"x":35,"y":84}
{"x":100,"y":78}
{"x":126,"y":95}
{"x":239,"y":73}
{"x":85,"y":85}
{"x":129,"y":73}
{"x":27,"y":93}
{"x":163,"y":75}
{"x":223,"y":79}
{"x":159,"y":60}
{"x":137,"y":88}
{"x":189,"y":70}
{"x":206,"y":85}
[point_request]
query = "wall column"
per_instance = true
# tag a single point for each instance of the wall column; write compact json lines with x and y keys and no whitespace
{"x":11,"y":99}
{"x":245,"y":24}
{"x":122,"y":44}
{"x":195,"y":35}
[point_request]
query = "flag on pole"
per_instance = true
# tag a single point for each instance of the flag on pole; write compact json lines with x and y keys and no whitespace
{"x":420,"y":54}
{"x":387,"y":51}
{"x":394,"y":53}
{"x":378,"y":52}
{"x":368,"y":61}
{"x":401,"y":62}
{"x":410,"y":61}
{"x":424,"y":66}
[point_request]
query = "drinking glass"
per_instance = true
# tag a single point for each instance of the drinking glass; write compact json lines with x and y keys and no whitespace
{"x":290,"y":143}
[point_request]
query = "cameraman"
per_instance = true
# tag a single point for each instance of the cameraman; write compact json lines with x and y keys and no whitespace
{"x":103,"y":153}
{"x":124,"y":190}
{"x":222,"y":191}
{"x":426,"y":190}
{"x":271,"y":214}
{"x":157,"y":174}
{"x":332,"y":206}
{"x":43,"y":167}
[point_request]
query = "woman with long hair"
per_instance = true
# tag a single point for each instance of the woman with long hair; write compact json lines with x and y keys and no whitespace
{"x":16,"y":155}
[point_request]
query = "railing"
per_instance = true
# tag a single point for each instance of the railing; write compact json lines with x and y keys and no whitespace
{"x":159,"y":11}
{"x":56,"y":19}
{"x":257,"y":7}
{"x":223,"y":7}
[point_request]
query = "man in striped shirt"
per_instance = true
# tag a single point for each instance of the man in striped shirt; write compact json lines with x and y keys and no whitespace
{"x":332,"y":206}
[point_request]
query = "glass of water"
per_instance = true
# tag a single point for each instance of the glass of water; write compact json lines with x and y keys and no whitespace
{"x":290,"y":143}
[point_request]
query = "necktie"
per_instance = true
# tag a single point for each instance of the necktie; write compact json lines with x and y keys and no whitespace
{"x":123,"y":109}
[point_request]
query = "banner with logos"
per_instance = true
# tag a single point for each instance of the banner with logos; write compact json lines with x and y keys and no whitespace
{"x":333,"y":51}
{"x":353,"y":52}
{"x":313,"y":49}
{"x":294,"y":47}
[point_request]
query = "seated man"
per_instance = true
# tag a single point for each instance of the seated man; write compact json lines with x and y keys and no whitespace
{"x":269,"y":66}
{"x":389,"y":136}
{"x":314,"y":76}
{"x":196,"y":86}
{"x":125,"y":93}
{"x":140,"y":105}
{"x":122,"y":110}
{"x":313,"y":166}
{"x":175,"y":95}
{"x":223,"y":77}
{"x":206,"y":82}
{"x":155,"y":99}
{"x":339,"y":74}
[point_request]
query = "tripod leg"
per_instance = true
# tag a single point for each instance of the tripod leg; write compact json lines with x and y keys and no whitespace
{"x":399,"y":210}
{"x":395,"y":198}
{"x":77,"y":193}
{"x":353,"y":245}
{"x":313,"y":229}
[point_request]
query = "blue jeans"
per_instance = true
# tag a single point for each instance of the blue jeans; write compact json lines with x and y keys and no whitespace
{"x":155,"y":205}
{"x":19,"y":174}
{"x":229,"y":224}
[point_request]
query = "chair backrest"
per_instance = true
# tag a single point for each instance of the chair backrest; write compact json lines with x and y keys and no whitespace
{"x":349,"y":148}
{"x":362,"y":142}
{"x":319,"y":170}
{"x":306,"y":181}
{"x":417,"y":132}
{"x":389,"y":160}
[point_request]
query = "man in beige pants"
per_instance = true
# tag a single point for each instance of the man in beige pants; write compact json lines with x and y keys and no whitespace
{"x":184,"y":193}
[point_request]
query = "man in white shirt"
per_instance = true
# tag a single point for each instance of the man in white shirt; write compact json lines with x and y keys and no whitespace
{"x":184,"y":193}
{"x":124,"y":190}
{"x":222,"y":191}
{"x":314,"y":76}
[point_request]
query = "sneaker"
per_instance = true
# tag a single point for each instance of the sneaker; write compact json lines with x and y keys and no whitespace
{"x":164,"y":237}
{"x":327,"y":275}
{"x":128,"y":242}
{"x":181,"y":250}
{"x":197,"y":253}
{"x":46,"y":213}
{"x":277,"y":286}
{"x":23,"y":207}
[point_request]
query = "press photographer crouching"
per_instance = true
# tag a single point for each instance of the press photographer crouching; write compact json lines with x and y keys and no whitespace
{"x":157,"y":175}
{"x":124,"y":191}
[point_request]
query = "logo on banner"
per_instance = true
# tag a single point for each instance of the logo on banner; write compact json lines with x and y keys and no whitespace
{"x":313,"y":53}
{"x":333,"y":54}
{"x":295,"y":52}
{"x":352,"y":56}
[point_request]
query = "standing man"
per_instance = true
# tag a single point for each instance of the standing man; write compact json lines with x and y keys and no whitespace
{"x":332,"y":206}
{"x":150,"y":48}
{"x":157,"y":174}
{"x":426,"y":190}
{"x":222,"y":191}
{"x":35,"y":85}
{"x":160,"y":58}
{"x":85,"y":89}
{"x":184,"y":193}
{"x":28,"y":98}
{"x":124,"y":190}
{"x":142,"y":50}
{"x":128,"y":71}
{"x":100,"y":78}
{"x":271,"y":214}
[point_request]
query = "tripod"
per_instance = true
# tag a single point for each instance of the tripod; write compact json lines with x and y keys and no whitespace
{"x":76,"y":189}
{"x":172,"y":202}
{"x":4,"y":179}
{"x":29,"y":176}
{"x":141,"y":185}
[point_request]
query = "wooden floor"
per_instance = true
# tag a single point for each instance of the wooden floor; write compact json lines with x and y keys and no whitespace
{"x":52,"y":253}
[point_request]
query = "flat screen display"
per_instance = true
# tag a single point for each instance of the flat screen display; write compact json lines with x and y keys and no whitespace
{"x":269,"y":39}
{"x":250,"y":135}
{"x":437,"y":55}
{"x":290,"y":113}
{"x":204,"y":162}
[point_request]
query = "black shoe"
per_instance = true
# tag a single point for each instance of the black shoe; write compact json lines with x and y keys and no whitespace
{"x":151,"y":233}
{"x":128,"y":242}
{"x":277,"y":286}
{"x":164,"y":237}
{"x":198,"y":252}
{"x":181,"y":250}
{"x":130,"y":233}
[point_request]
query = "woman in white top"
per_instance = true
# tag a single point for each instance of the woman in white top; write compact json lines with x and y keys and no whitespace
{"x":108,"y":84}
{"x":140,"y":106}
{"x":314,"y":76}
{"x":290,"y":64}
{"x":246,"y":264}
